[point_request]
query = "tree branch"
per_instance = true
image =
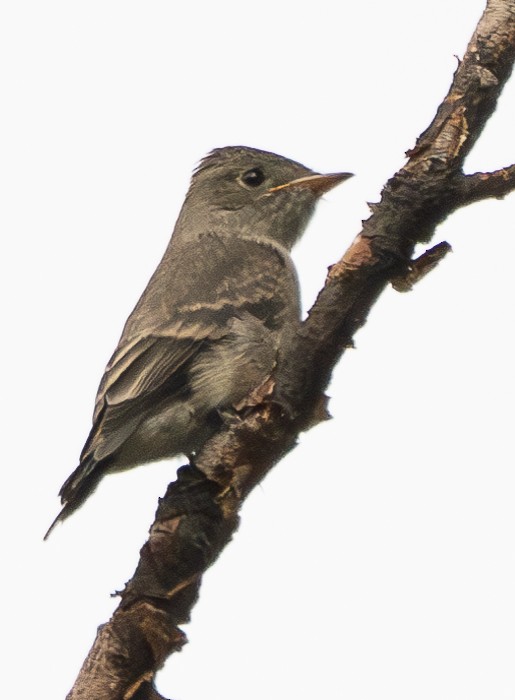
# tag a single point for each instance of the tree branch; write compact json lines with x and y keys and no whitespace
{"x":483,"y":185}
{"x":199,"y":513}
{"x":421,"y":267}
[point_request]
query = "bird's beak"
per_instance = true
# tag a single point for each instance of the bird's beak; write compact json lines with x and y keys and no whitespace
{"x":318,"y":184}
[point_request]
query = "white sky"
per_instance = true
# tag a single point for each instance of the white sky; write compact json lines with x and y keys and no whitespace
{"x":378,"y":559}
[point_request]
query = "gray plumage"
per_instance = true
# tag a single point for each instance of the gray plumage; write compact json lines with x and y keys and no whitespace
{"x":209,"y":324}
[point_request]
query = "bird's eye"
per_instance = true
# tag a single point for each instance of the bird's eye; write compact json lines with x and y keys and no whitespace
{"x":253,"y":178}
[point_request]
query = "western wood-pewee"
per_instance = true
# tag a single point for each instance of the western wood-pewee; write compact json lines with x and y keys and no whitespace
{"x":208,"y":327}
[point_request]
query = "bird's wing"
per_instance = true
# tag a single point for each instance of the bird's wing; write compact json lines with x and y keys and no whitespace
{"x":190,"y":303}
{"x":141,"y":367}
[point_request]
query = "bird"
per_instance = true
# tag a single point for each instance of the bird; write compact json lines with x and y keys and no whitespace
{"x":208,"y":327}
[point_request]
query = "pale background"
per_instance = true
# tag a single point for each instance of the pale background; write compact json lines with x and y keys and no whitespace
{"x":376,"y":561}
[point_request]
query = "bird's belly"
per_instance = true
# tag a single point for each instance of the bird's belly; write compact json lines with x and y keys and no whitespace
{"x":225,"y":373}
{"x":219,"y":377}
{"x":173,"y":428}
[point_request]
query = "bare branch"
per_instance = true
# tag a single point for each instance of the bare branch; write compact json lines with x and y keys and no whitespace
{"x":421,"y":267}
{"x":483,"y":185}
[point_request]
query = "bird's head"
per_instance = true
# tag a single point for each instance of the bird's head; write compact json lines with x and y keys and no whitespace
{"x":245,"y":191}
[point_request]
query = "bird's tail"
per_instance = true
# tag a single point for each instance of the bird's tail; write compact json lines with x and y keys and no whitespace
{"x":77,"y":487}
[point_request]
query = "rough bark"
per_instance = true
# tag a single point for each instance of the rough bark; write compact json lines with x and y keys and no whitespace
{"x":199,"y":513}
